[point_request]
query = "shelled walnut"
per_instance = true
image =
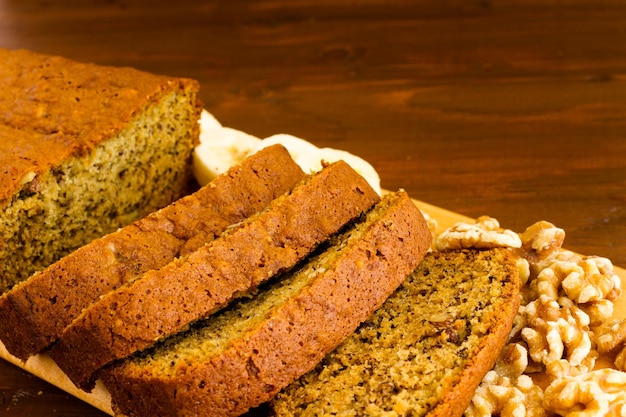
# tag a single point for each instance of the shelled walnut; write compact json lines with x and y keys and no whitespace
{"x":555,"y":332}
{"x":596,"y":393}
{"x":484,"y":234}
{"x":560,"y":328}
{"x":506,"y":391}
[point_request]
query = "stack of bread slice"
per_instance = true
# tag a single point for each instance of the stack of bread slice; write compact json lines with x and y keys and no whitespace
{"x":245,"y":308}
{"x":42,"y":306}
{"x":245,"y":354}
{"x":166,"y":300}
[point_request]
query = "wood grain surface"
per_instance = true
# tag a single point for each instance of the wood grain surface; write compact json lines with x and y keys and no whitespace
{"x":513,"y":109}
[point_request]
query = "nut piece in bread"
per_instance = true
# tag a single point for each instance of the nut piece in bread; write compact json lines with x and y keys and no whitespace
{"x":425,"y":350}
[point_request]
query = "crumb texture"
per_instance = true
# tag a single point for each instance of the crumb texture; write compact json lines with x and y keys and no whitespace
{"x":166,"y":300}
{"x":421,"y":346}
{"x":241,"y":356}
{"x":42,"y":306}
{"x":84,"y":150}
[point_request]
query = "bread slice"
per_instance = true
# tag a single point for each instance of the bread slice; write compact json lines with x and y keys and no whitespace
{"x":42,"y":306}
{"x":166,"y":300}
{"x":84,"y":150}
{"x":424,"y":352}
{"x":243,"y":355}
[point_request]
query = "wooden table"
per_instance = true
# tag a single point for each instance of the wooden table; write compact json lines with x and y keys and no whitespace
{"x":515,"y":109}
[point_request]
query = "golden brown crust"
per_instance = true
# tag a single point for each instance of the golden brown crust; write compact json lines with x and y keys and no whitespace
{"x":293,"y":337}
{"x":53,"y":108}
{"x":166,"y":300}
{"x":44,"y":305}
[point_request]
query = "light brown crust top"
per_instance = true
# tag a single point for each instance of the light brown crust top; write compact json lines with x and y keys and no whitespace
{"x":293,"y":337}
{"x":45,"y":304}
{"x":166,"y":300}
{"x":53,"y":108}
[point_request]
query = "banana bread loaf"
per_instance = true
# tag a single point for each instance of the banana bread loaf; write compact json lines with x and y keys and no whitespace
{"x":243,"y":355}
{"x":424,"y":352}
{"x":43,"y":305}
{"x":84,"y":150}
{"x":166,"y":300}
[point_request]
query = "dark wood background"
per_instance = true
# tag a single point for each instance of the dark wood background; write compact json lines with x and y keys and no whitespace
{"x":515,"y":109}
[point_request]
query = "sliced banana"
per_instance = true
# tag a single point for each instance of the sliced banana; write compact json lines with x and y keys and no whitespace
{"x":208,"y":121}
{"x":304,"y":153}
{"x":222,"y":147}
{"x":360,"y":165}
{"x":310,"y":157}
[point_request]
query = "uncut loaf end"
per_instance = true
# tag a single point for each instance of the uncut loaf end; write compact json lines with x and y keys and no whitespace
{"x":84,"y":150}
{"x":425,"y":351}
{"x":43,"y":305}
{"x":243,"y":355}
{"x":166,"y":300}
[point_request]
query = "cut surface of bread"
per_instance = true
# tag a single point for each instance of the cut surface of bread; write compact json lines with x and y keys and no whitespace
{"x":166,"y":300}
{"x":244,"y":354}
{"x":84,"y":150}
{"x":425,"y":351}
{"x":42,"y":306}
